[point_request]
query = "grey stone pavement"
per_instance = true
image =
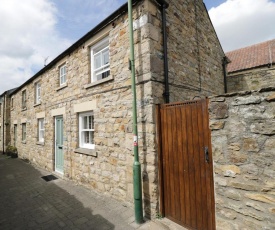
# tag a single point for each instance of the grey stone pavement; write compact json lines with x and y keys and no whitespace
{"x":29,"y":202}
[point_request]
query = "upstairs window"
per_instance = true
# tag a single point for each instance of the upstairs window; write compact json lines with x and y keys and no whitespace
{"x":62,"y":75}
{"x":24,"y":99}
{"x":86,"y":130}
{"x":100,"y":64}
{"x":41,"y":130}
{"x":37,"y":93}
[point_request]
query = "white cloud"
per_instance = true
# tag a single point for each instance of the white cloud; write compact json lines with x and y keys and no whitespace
{"x":241,"y":23}
{"x":28,"y":36}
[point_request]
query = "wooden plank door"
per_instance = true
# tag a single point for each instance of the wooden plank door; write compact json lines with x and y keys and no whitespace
{"x":59,"y":158}
{"x":186,"y":167}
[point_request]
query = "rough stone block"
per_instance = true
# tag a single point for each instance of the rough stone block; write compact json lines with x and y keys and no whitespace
{"x":244,"y":185}
{"x":263,"y":127}
{"x":218,"y":110}
{"x":261,"y":197}
{"x":270,"y":97}
{"x":250,"y":144}
{"x":216,"y":125}
{"x":247,"y":100}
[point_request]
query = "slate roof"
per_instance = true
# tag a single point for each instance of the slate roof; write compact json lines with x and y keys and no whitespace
{"x":261,"y":54}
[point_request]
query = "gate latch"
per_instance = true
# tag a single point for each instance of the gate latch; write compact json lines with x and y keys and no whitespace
{"x":206,"y":154}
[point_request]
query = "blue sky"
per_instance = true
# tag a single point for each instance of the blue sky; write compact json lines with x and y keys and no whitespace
{"x":213,"y":3}
{"x":76,"y":17}
{"x":41,"y":29}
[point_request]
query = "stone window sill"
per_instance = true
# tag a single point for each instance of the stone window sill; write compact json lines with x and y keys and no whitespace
{"x":90,"y":152}
{"x":23,"y":109}
{"x":37,"y":104}
{"x":24,"y":142}
{"x":62,"y":87}
{"x":40,"y":143}
{"x":110,"y":78}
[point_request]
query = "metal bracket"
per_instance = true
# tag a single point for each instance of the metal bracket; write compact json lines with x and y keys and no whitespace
{"x":206,"y":154}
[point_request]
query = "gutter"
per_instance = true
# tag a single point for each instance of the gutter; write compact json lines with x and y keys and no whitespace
{"x":166,"y":93}
{"x":225,"y":61}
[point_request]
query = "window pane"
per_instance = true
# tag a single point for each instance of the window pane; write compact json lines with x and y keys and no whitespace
{"x":86,"y":137}
{"x":98,"y":61}
{"x":85,"y":122}
{"x":106,"y":57}
{"x":41,"y":121}
{"x":62,"y":74}
{"x":90,"y":122}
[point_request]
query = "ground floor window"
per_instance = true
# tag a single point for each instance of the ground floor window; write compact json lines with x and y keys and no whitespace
{"x":86,"y":130}
{"x":24,"y":131}
{"x":41,"y":130}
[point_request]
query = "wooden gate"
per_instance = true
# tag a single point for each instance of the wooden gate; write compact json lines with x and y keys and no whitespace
{"x":185,"y":165}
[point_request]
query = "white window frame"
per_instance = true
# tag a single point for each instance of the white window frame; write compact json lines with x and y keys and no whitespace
{"x":82,"y":130}
{"x":24,"y":131}
{"x":24,"y":99}
{"x":41,"y":130}
{"x":98,"y":49}
{"x":62,"y":75}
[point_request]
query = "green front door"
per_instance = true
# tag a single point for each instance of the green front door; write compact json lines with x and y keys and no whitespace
{"x":59,"y":158}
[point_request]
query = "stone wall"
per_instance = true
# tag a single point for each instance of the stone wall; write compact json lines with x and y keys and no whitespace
{"x":109,"y":169}
{"x":243,"y":143}
{"x":251,"y":79}
{"x":194,"y":52}
{"x":5,"y":140}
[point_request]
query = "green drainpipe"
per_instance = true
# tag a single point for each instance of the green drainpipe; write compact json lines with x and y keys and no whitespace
{"x":136,"y":166}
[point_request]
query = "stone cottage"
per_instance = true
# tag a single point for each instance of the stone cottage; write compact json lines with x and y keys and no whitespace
{"x":5,"y":138}
{"x":74,"y":117}
{"x":251,"y":67}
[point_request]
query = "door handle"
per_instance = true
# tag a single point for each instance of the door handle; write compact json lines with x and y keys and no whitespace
{"x":59,"y":147}
{"x":206,"y":154}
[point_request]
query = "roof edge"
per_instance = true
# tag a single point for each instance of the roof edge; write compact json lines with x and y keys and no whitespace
{"x":121,"y":10}
{"x":251,"y":68}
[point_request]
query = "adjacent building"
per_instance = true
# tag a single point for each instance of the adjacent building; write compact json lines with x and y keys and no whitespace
{"x":251,"y":67}
{"x":74,"y":117}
